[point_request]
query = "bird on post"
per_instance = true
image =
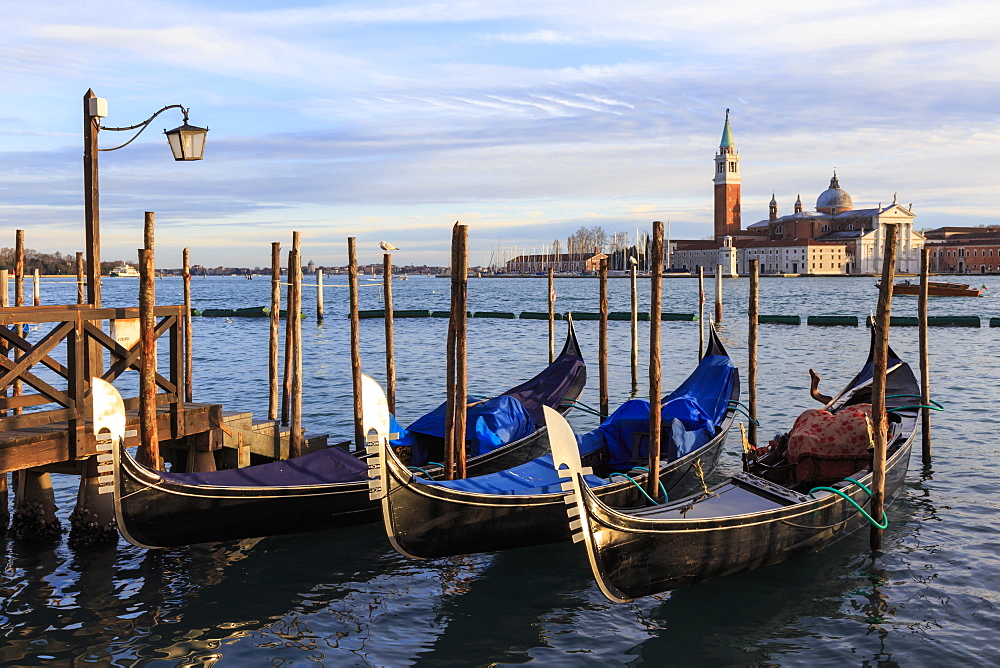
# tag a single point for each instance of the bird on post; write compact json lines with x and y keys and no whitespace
{"x":386,"y":246}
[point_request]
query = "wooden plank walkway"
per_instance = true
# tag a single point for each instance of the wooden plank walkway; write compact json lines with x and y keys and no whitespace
{"x":49,"y":445}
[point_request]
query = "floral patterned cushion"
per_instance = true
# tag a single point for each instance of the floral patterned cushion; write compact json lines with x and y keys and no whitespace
{"x":828,"y":446}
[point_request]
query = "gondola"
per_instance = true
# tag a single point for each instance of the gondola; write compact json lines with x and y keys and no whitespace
{"x":524,"y":505}
{"x":765,"y":515}
{"x":327,"y":488}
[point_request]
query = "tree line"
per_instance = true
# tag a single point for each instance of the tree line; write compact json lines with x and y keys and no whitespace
{"x":47,"y":263}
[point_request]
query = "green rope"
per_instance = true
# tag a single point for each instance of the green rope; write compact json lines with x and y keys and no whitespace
{"x":634,"y":482}
{"x":936,"y":406}
{"x":885,"y":518}
{"x":417,"y":468}
{"x":637,"y":485}
{"x":906,"y":408}
{"x":745,"y":414}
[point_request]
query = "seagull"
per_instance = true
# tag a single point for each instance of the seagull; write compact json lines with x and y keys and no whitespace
{"x":632,"y":260}
{"x":386,"y":246}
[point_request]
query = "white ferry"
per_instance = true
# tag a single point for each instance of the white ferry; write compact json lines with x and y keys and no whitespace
{"x":125,"y":271}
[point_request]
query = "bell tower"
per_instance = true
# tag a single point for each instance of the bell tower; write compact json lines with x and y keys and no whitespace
{"x":727,"y":186}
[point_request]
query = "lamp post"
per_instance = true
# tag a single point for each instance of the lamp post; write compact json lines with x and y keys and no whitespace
{"x":187,"y":142}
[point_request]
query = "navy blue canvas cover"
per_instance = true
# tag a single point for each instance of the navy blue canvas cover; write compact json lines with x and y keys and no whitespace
{"x":691,"y":415}
{"x":316,"y":468}
{"x":489,"y":425}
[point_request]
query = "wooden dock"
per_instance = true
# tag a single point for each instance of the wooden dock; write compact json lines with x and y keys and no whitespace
{"x":46,"y":413}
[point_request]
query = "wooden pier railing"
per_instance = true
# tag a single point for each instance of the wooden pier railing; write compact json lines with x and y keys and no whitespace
{"x":70,"y":344}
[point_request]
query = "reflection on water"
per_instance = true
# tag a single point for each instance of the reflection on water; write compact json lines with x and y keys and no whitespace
{"x":345,"y":597}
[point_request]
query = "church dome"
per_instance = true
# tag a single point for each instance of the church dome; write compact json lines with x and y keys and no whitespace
{"x":834,"y":199}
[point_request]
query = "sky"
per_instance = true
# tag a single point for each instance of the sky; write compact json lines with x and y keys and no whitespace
{"x":523,"y":119}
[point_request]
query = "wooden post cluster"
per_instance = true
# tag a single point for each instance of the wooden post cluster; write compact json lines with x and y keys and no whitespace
{"x":552,"y":315}
{"x":701,"y":312}
{"x":188,"y":331}
{"x":458,"y":392}
{"x":352,"y":280}
{"x":753,"y":312}
{"x":295,"y":323}
{"x":602,"y":346}
{"x":879,"y":421}
{"x":150,"y":441}
{"x":925,"y":378}
{"x":390,"y":341}
{"x":275,"y":321}
{"x":655,"y":306}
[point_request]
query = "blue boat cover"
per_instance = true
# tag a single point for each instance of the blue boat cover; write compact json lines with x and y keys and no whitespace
{"x":489,"y":425}
{"x":691,"y":415}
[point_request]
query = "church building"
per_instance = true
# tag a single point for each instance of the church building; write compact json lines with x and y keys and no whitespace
{"x":834,"y":239}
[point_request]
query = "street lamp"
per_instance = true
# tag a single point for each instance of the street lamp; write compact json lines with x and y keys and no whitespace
{"x":187,"y":142}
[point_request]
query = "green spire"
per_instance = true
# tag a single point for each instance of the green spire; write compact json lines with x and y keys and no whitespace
{"x":727,"y":135}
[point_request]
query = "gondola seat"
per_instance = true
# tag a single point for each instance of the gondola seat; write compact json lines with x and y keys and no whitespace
{"x":826,"y":446}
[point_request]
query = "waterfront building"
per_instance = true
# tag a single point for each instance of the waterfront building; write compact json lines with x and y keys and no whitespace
{"x":860,"y":231}
{"x":964,"y":250}
{"x":795,"y":256}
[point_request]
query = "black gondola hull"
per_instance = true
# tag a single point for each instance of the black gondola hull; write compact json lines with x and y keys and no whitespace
{"x":430,"y":521}
{"x":633,"y":558}
{"x":155,"y":511}
{"x":745,"y":523}
{"x":426,"y":521}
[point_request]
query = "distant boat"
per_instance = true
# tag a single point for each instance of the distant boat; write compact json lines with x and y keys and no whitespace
{"x":124,"y":271}
{"x":937,"y":289}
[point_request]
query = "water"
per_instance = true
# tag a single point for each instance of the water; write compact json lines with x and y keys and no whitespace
{"x":344,"y":597}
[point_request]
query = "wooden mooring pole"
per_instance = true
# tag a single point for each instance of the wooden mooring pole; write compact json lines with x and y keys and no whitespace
{"x":655,"y":306}
{"x":150,"y":441}
{"x":753,"y":312}
{"x":319,"y":296}
{"x":454,"y":442}
{"x":81,"y":285}
{"x":275,"y":321}
{"x":602,"y":345}
{"x":552,"y":315}
{"x":36,"y":288}
{"x":633,"y":274}
{"x":286,"y":383}
{"x":188,"y":329}
{"x":4,"y":347}
{"x":925,"y":364}
{"x":880,"y":423}
{"x":701,"y":312}
{"x":18,"y":389}
{"x":390,"y":341}
{"x":461,"y":286}
{"x":718,"y":293}
{"x":295,"y":311}
{"x":352,"y":281}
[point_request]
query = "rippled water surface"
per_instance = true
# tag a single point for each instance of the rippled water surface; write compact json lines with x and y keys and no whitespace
{"x":344,"y":597}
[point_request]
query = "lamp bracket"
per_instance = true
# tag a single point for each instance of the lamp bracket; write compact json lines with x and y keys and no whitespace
{"x":142,"y":126}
